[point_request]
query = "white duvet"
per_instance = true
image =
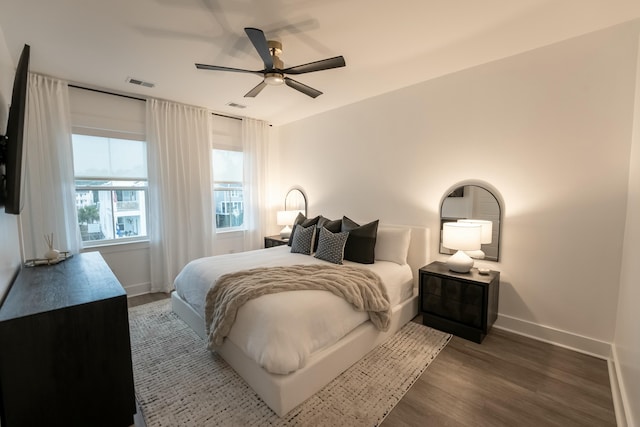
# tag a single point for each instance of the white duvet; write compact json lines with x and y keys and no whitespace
{"x":280,"y":331}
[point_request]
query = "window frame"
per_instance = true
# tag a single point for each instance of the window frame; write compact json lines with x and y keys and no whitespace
{"x":102,"y":133}
{"x":215,"y":187}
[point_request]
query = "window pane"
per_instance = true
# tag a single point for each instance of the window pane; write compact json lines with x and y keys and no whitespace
{"x":227,"y":165}
{"x":229,"y":208}
{"x":111,"y":214}
{"x":111,"y":187}
{"x":95,"y":156}
{"x":227,"y":188}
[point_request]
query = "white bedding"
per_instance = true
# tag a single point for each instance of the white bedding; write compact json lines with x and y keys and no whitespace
{"x":264,"y":329}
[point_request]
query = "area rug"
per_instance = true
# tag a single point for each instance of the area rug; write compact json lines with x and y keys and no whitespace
{"x":179,"y":382}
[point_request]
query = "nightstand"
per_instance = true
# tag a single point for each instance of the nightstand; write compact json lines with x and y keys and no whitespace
{"x":272,"y":241}
{"x":464,"y":304}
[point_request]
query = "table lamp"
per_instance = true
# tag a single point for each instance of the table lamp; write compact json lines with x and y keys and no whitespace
{"x":487,"y":235}
{"x":286,"y":218}
{"x":462,"y":237}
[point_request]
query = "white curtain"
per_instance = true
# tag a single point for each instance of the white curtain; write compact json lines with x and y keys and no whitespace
{"x":49,"y":196}
{"x":180,"y":193}
{"x":255,"y":145}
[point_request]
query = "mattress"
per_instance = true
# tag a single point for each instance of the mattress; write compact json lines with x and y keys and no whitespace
{"x":281,"y":331}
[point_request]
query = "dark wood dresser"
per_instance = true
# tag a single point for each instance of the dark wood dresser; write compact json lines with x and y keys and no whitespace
{"x":65,"y":353}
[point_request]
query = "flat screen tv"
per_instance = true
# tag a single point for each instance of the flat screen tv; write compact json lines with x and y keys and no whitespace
{"x":11,"y":144}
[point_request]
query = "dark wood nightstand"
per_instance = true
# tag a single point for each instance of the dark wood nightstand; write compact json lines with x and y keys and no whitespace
{"x":464,"y":304}
{"x":272,"y":241}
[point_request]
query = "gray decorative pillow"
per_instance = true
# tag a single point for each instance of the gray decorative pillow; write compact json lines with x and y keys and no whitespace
{"x":303,"y":221}
{"x":361,"y":243}
{"x":303,"y":239}
{"x":333,"y":226}
{"x":331,"y":245}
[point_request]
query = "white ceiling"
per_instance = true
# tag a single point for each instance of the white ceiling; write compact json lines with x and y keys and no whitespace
{"x":386,"y":44}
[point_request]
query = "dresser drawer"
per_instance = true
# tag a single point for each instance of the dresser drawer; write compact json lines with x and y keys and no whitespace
{"x":454,"y":290}
{"x":453,"y":310}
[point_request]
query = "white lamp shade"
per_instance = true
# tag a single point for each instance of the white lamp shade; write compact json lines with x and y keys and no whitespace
{"x":462,"y":236}
{"x":487,"y":228}
{"x":286,"y":217}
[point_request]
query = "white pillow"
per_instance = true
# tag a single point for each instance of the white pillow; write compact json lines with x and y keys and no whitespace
{"x":392,"y":244}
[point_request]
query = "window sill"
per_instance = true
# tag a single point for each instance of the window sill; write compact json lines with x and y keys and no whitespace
{"x":117,"y":246}
{"x":233,"y":231}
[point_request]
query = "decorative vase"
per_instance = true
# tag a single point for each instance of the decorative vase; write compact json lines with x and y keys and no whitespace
{"x":52,"y":254}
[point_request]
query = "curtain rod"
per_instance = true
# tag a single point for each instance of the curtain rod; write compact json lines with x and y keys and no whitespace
{"x":107,"y":92}
{"x":135,"y":98}
{"x":229,"y":117}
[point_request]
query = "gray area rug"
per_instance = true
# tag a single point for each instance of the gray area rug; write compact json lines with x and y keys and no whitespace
{"x":180,"y":383}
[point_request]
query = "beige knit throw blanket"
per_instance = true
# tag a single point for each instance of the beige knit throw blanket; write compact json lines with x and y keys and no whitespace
{"x":361,"y":288}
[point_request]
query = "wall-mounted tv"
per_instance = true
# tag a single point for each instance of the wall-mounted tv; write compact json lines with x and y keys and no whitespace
{"x":11,"y":144}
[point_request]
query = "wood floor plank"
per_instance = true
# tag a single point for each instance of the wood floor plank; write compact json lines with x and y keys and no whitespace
{"x":508,"y":380}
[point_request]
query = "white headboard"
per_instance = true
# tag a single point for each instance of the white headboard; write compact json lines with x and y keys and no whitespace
{"x":418,"y":255}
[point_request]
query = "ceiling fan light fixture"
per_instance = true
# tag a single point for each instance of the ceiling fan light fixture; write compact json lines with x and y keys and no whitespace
{"x":274,"y":72}
{"x":274,"y":79}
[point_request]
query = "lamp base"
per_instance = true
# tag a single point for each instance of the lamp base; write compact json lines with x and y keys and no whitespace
{"x":285,"y":233}
{"x":479,"y":254}
{"x":460,"y":262}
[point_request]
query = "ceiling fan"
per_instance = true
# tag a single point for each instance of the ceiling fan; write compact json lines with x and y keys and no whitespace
{"x":274,"y":73}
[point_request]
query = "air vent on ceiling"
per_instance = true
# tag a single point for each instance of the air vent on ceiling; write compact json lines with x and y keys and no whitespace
{"x":139,"y":82}
{"x":236,"y":105}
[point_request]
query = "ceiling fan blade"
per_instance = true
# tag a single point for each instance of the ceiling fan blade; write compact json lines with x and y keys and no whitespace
{"x":260,"y":43}
{"x":256,"y":90}
{"x":324,"y":64}
{"x":307,"y":90}
{"x":219,"y":68}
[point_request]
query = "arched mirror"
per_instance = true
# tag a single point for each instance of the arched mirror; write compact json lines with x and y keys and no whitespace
{"x":474,"y":202}
{"x":295,"y":200}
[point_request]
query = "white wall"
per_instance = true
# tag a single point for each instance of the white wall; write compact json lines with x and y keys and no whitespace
{"x":627,"y":337}
{"x":10,"y":258}
{"x":550,"y":129}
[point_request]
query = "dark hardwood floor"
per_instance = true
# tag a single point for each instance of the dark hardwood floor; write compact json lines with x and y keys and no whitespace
{"x":508,"y":380}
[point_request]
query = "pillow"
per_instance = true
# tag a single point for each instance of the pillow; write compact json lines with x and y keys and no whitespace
{"x":333,"y":226}
{"x":392,"y":244}
{"x":302,"y":220}
{"x":361,"y":243}
{"x":303,"y":240}
{"x":331,"y":245}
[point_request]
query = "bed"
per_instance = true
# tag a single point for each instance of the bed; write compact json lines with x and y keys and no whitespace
{"x":321,"y":354}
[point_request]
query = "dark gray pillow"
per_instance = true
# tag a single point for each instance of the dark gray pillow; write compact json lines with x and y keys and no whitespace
{"x":303,"y":240}
{"x":331,"y":245}
{"x":333,"y":226}
{"x":303,"y":221}
{"x":361,"y":243}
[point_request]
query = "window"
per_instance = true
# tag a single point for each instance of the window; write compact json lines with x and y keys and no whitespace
{"x":228,"y":195}
{"x":111,"y":188}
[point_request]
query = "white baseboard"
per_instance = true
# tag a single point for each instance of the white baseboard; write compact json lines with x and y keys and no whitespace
{"x":579,"y":343}
{"x":137,"y":289}
{"x":620,"y":400}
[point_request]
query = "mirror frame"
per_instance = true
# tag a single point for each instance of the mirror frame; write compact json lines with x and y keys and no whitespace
{"x":295,"y":190}
{"x":498,"y":230}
